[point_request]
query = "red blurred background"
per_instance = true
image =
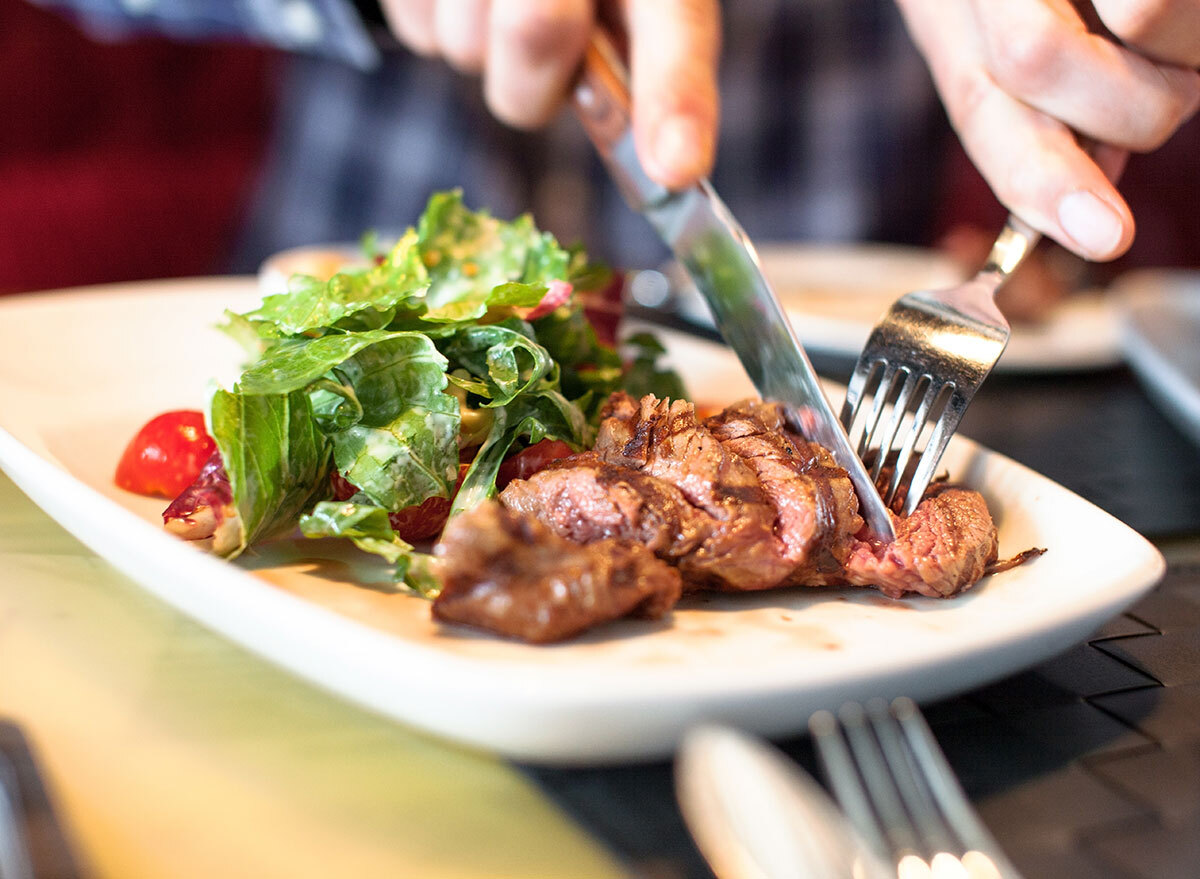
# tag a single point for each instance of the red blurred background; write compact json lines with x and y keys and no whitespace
{"x":121,"y":161}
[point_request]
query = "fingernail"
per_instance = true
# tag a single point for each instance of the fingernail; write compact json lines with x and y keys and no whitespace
{"x":679,"y":148}
{"x":1091,"y":222}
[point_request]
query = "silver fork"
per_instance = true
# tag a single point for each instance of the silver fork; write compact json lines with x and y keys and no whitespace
{"x":922,"y":364}
{"x":892,"y":781}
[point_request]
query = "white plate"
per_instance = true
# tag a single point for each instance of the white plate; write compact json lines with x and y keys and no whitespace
{"x":80,"y":371}
{"x":835,"y":295}
{"x":1160,"y":317}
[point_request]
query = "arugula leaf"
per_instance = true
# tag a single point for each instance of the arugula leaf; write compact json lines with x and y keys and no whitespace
{"x":295,"y":363}
{"x":310,"y":304}
{"x":366,"y":524}
{"x":506,"y":361}
{"x":469,"y":254}
{"x":276,"y":458}
{"x":406,"y":461}
{"x":535,"y":417}
{"x":368,"y":527}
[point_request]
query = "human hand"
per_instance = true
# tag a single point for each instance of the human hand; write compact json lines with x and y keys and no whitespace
{"x":529,"y":50}
{"x":1020,"y":79}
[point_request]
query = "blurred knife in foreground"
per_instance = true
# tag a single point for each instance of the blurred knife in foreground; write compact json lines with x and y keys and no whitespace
{"x":756,"y":815}
{"x":710,"y":244}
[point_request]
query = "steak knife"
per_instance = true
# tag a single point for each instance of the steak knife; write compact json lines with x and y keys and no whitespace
{"x":712,"y":247}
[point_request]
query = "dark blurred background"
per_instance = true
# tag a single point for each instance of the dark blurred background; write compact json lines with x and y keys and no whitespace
{"x":147,"y":157}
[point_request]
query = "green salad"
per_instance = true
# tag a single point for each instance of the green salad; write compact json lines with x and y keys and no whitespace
{"x":465,"y":341}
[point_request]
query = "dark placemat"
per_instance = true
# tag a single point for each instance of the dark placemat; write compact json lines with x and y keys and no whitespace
{"x":1100,"y":436}
{"x":1087,"y":765}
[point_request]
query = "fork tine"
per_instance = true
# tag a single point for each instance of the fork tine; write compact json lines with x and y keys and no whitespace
{"x":843,"y":776}
{"x":854,"y":391}
{"x":887,"y":382}
{"x":946,"y":791}
{"x":932,"y":393}
{"x":935,"y":832}
{"x":946,"y":424}
{"x":858,"y":772}
{"x":899,"y":410}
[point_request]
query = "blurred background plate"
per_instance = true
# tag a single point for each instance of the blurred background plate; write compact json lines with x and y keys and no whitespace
{"x":835,"y":294}
{"x":1160,"y":335}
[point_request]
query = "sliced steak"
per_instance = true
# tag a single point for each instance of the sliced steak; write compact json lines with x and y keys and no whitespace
{"x":507,"y":573}
{"x":942,"y":548}
{"x":584,"y":498}
{"x":815,"y":505}
{"x":663,"y":439}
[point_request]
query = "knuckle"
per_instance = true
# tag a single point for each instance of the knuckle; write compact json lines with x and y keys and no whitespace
{"x":467,"y":57}
{"x":1025,"y":62}
{"x":964,"y":98}
{"x":1177,"y":106}
{"x":541,"y":28}
{"x":1135,"y":21}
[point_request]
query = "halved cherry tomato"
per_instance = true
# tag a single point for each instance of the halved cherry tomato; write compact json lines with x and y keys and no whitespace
{"x":166,"y":455}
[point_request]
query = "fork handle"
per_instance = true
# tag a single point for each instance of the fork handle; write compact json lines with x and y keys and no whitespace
{"x":1012,"y":245}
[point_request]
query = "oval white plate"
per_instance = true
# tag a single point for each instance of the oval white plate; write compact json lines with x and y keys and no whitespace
{"x":80,"y":371}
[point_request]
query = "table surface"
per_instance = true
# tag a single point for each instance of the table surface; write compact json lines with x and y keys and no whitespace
{"x":167,"y":751}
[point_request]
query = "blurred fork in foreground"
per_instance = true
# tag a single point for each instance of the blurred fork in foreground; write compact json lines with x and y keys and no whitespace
{"x":892,"y":781}
{"x":922,"y":364}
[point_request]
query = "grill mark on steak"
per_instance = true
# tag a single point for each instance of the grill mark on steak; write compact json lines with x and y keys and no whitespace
{"x":584,"y":498}
{"x":508,"y":573}
{"x":814,"y":501}
{"x":663,"y":439}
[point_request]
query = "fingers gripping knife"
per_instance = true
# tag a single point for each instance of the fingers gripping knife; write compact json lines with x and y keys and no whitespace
{"x":711,"y":246}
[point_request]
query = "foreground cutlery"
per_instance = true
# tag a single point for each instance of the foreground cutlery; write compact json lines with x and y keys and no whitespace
{"x":755,"y":815}
{"x":708,"y":242}
{"x":14,"y":856}
{"x":894,"y":784}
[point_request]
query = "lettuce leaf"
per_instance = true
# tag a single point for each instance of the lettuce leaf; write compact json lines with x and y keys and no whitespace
{"x":400,"y":281}
{"x":384,"y":373}
{"x":277,"y":460}
{"x":476,"y":261}
{"x":368,"y":527}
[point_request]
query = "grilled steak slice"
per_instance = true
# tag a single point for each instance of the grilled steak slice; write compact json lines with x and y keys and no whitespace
{"x":663,"y":439}
{"x":585,"y":499}
{"x":509,"y":574}
{"x":942,"y":548}
{"x":815,"y":505}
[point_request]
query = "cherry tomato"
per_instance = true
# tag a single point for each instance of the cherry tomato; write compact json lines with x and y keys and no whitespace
{"x":529,"y":461}
{"x":166,"y":455}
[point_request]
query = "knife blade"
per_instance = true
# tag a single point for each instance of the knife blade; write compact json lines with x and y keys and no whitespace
{"x":720,"y":258}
